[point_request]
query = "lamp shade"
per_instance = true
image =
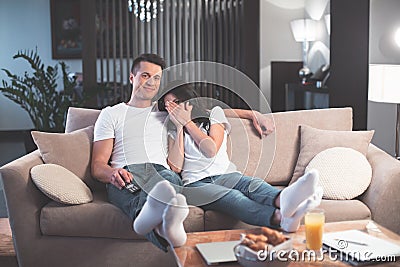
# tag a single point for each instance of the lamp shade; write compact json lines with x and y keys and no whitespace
{"x":384,"y":83}
{"x":397,"y":37}
{"x":304,"y":29}
{"x":327,"y":19}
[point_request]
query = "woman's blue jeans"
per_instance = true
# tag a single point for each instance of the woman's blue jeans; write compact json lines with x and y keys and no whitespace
{"x":246,"y":198}
{"x":146,"y":175}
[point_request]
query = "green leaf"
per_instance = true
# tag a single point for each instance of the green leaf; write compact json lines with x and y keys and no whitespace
{"x":37,"y":91}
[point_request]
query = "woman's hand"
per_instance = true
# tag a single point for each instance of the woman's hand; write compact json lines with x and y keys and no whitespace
{"x":263,"y":123}
{"x":180,"y":114}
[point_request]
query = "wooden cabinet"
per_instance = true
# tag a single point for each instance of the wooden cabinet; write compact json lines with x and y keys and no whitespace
{"x":299,"y":96}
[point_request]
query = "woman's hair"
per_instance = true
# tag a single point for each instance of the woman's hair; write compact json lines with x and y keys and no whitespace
{"x":186,"y":93}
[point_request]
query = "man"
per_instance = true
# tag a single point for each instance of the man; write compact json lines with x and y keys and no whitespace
{"x":128,"y":147}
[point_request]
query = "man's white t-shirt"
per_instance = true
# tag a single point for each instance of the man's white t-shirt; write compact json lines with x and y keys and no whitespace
{"x":197,"y":166}
{"x":140,"y":134}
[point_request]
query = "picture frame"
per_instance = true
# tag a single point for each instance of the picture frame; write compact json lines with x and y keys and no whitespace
{"x":66,"y":34}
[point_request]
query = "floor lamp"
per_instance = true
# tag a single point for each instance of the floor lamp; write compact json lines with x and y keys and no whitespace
{"x":384,"y":86}
{"x":304,"y":30}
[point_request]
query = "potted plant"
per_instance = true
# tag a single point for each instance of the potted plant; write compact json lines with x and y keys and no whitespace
{"x":38,"y":92}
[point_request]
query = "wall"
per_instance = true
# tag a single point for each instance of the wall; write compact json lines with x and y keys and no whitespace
{"x":384,"y":20}
{"x":24,"y":24}
{"x":276,"y":39}
{"x":277,"y":42}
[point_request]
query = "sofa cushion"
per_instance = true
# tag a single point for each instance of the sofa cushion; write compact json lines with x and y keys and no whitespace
{"x":60,"y":184}
{"x":214,"y":220}
{"x":70,"y":150}
{"x":99,"y":219}
{"x":247,"y":150}
{"x":78,"y":118}
{"x":96,"y":219}
{"x":315,"y":140}
{"x":344,"y":173}
{"x":345,"y":210}
{"x":283,"y":144}
{"x":335,"y":210}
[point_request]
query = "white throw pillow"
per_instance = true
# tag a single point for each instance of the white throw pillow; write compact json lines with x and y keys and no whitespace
{"x":314,"y":141}
{"x":60,"y":184}
{"x":344,"y":173}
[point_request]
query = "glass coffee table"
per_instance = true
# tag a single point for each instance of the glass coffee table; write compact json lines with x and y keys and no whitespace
{"x":188,"y":256}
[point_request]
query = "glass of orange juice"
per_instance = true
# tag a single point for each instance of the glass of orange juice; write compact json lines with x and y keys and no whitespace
{"x":314,"y":222}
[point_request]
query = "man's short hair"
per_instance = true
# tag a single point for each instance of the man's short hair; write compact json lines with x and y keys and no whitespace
{"x":147,"y":57}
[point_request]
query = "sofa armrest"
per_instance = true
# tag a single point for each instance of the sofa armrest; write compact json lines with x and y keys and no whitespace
{"x":24,"y":201}
{"x":382,"y":196}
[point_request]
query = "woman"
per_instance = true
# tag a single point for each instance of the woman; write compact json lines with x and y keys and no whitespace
{"x":198,"y":151}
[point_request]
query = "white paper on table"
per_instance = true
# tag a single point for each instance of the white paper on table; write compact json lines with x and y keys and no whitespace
{"x":369,"y":247}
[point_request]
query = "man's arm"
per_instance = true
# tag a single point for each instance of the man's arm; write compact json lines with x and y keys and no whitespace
{"x":264,"y":124}
{"x":103,"y":172}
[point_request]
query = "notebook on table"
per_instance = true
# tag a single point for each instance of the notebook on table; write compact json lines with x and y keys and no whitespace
{"x":218,"y":252}
{"x":359,"y":248}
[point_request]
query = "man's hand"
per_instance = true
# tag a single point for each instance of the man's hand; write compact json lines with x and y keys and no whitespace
{"x":263,"y":123}
{"x":119,"y":176}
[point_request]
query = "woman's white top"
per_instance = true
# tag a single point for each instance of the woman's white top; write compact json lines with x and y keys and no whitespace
{"x":196,"y":166}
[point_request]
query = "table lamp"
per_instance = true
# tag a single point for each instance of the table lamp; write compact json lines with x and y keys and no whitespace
{"x":304,"y":30}
{"x":384,"y":86}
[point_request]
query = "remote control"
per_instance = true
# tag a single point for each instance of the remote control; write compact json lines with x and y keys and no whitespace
{"x":131,"y":187}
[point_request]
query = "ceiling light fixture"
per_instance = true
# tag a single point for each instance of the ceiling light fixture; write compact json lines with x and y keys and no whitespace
{"x":145,"y":10}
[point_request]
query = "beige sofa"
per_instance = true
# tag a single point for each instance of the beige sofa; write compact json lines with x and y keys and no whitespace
{"x":98,"y":234}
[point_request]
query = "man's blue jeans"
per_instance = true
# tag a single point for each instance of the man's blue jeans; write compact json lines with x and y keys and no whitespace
{"x":146,"y":175}
{"x":246,"y":198}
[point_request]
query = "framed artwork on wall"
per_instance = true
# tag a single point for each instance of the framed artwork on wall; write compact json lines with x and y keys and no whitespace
{"x":66,"y":35}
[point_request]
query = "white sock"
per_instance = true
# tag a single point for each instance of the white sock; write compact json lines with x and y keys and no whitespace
{"x":296,"y":193}
{"x":291,"y":224}
{"x":151,"y":214}
{"x":172,"y":226}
